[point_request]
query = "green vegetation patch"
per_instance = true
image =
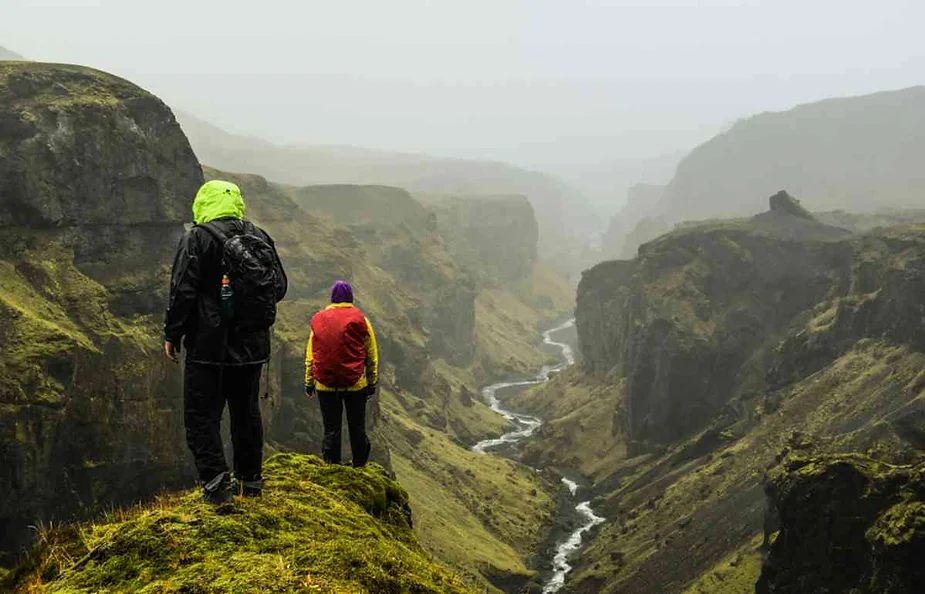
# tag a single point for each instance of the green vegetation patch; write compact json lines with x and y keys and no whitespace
{"x":736,"y":574}
{"x":62,"y":85}
{"x":318,"y":528}
{"x":482,"y":514}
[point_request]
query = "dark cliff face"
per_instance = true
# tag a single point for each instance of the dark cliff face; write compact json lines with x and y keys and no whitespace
{"x":684,"y":320}
{"x":717,"y":344}
{"x":846,"y":524}
{"x":96,"y":179}
{"x":602,"y":315}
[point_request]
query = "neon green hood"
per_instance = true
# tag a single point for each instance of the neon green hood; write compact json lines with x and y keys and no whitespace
{"x":217,"y":199}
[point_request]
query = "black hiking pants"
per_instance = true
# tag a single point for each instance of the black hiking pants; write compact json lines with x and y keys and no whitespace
{"x":207,"y":388}
{"x":332,"y":403}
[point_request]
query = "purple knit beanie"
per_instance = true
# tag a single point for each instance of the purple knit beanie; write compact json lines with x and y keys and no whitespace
{"x":341,"y":292}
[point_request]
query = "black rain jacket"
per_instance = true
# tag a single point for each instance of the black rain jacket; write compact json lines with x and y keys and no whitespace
{"x":193,"y":311}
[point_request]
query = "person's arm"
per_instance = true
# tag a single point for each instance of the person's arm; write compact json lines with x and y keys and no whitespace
{"x":184,"y":287}
{"x":309,"y":359}
{"x":372,"y":358}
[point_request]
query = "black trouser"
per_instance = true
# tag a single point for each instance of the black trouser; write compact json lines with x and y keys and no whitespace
{"x":332,"y":403}
{"x":206,"y":390}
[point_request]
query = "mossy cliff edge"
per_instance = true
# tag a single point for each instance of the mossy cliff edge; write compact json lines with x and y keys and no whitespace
{"x":318,"y":528}
{"x":95,"y":183}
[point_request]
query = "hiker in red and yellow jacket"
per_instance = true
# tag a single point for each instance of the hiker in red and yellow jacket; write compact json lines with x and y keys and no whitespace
{"x":342,"y":367}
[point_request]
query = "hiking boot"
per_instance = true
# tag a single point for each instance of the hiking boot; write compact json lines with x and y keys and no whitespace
{"x":219,"y":490}
{"x":252,"y":488}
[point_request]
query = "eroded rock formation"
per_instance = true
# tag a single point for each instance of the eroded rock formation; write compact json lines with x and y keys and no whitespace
{"x":95,"y":184}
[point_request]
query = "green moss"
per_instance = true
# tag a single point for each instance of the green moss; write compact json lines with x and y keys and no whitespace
{"x":900,"y":524}
{"x":736,"y":574}
{"x":482,"y":514}
{"x":318,"y":528}
{"x":63,"y":86}
{"x":584,"y":428}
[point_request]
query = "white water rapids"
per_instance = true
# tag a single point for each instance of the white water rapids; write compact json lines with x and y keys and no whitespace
{"x":524,"y":427}
{"x":566,"y":548}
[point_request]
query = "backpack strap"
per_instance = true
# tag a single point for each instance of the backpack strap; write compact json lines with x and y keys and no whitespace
{"x":215,"y":232}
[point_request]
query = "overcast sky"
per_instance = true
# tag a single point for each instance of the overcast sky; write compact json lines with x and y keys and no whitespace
{"x":532,"y":82}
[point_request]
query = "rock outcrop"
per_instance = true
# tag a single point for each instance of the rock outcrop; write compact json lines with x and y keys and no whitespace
{"x":95,"y":184}
{"x":784,"y":204}
{"x":846,"y":524}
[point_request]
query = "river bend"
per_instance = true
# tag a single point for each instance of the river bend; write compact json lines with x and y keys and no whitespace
{"x":525,"y":426}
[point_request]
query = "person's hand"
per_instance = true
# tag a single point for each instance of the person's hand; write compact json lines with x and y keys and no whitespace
{"x":371,"y":390}
{"x":309,"y":393}
{"x":171,"y":351}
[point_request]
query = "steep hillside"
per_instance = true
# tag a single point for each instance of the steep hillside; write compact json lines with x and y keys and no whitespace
{"x":853,"y":153}
{"x":704,"y":362}
{"x":319,"y":528}
{"x":564,"y":215}
{"x":95,"y":183}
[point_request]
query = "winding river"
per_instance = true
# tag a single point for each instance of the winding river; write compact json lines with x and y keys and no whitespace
{"x":524,"y":427}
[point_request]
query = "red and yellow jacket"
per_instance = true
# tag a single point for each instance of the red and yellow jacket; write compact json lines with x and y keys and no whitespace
{"x":342,"y":353}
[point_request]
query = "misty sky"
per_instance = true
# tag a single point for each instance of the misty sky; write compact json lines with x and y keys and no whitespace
{"x":533,"y":82}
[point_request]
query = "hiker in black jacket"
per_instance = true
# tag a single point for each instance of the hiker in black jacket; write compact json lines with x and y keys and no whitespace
{"x":226,"y":281}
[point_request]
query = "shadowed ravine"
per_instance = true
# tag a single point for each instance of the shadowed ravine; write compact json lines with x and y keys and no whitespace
{"x":524,"y":427}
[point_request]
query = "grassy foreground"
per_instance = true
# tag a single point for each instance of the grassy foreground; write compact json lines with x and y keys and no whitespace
{"x":318,"y":528}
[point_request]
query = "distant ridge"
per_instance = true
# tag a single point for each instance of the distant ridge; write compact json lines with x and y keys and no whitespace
{"x":855,"y":153}
{"x":859,"y":154}
{"x":564,"y":214}
{"x":6,"y":54}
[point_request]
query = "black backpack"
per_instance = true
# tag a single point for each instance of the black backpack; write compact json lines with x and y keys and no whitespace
{"x":250,"y":263}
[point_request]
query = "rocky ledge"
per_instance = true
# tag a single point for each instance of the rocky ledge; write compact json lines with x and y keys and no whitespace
{"x":847,"y":523}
